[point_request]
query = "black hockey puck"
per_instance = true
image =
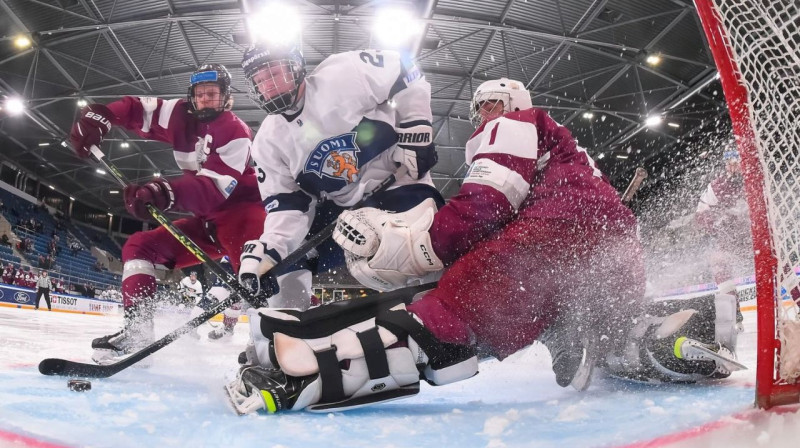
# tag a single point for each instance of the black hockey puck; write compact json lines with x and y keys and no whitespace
{"x":79,"y":385}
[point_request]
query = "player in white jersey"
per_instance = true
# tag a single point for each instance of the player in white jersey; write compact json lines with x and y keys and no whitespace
{"x":191,"y":288}
{"x":329,"y":138}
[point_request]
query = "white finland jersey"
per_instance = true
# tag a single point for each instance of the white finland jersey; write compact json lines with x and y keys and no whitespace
{"x":194,"y":289}
{"x":339,"y":145}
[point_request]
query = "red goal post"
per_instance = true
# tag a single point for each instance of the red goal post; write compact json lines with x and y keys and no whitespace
{"x":756,"y":47}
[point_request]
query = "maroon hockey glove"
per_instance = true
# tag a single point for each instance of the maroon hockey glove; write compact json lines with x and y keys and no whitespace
{"x":93,"y":124}
{"x":158,"y":192}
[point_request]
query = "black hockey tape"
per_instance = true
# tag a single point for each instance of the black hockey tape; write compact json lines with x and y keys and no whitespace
{"x":79,"y":385}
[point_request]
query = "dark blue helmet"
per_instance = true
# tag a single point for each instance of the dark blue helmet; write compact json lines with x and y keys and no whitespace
{"x":214,"y":73}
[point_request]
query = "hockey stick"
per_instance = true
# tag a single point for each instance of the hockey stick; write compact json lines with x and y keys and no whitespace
{"x":56,"y":366}
{"x":638,"y":177}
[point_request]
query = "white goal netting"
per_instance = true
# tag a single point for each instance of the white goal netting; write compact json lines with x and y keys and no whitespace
{"x":765,"y":40}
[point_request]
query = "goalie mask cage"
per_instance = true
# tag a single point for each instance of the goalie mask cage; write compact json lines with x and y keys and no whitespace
{"x":756,"y":47}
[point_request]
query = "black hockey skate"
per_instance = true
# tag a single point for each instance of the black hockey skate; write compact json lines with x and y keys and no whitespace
{"x":259,"y":388}
{"x":219,"y":333}
{"x":573,"y":362}
{"x":137,"y":334}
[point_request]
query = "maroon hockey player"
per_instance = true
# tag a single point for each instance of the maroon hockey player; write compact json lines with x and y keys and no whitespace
{"x":723,"y":214}
{"x":212,"y":147}
{"x":537,"y":245}
{"x":8,"y":274}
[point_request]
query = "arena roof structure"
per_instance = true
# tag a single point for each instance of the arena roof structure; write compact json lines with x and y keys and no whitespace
{"x":633,"y":80}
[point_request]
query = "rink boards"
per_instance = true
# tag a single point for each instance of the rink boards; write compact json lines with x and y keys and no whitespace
{"x":16,"y":297}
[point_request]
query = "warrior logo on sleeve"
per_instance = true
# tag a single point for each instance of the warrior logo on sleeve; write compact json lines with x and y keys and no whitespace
{"x":335,"y":158}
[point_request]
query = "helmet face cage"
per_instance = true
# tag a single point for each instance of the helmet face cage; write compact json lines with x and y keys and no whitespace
{"x":265,"y":81}
{"x":213,"y":73}
{"x":487,"y":95}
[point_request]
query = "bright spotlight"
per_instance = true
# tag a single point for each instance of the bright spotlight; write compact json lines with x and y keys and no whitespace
{"x":395,"y":27}
{"x":276,"y":23}
{"x":653,"y":59}
{"x":124,"y":145}
{"x":15,"y":106}
{"x":81,"y":102}
{"x":100,"y":171}
{"x":22,"y":42}
{"x":52,"y":187}
{"x":156,"y":174}
{"x":654,"y":120}
{"x":588,"y":115}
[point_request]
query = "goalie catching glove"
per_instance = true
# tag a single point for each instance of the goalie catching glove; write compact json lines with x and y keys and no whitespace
{"x":254,"y":272}
{"x":386,"y":251}
{"x":342,"y":356}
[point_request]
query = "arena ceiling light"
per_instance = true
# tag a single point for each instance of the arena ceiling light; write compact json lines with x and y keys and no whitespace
{"x":276,"y":23}
{"x":14,"y":106}
{"x":653,"y":59}
{"x":395,"y":27}
{"x":100,"y":171}
{"x":588,"y":115}
{"x":124,"y":145}
{"x":81,"y":102}
{"x":22,"y":42}
{"x":653,"y":120}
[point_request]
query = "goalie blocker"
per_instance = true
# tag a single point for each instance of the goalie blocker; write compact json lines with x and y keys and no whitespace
{"x":343,"y":356}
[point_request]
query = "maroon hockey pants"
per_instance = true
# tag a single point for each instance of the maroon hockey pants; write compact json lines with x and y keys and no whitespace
{"x":511,"y":287}
{"x":234,"y":227}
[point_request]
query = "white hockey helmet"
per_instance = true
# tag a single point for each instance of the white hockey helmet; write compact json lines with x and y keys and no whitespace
{"x":512,"y":93}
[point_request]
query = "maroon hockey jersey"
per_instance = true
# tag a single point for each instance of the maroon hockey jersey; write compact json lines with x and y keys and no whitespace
{"x":214,"y":155}
{"x":523,"y":164}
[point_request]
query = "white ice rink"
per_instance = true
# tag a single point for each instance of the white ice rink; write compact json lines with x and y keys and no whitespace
{"x":179,"y":401}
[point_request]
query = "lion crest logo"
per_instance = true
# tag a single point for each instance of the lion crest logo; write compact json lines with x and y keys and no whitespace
{"x":335,"y":158}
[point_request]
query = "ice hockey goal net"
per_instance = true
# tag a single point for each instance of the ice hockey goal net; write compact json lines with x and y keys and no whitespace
{"x":756,"y":47}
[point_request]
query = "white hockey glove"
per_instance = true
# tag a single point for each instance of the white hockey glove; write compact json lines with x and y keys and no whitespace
{"x":385,"y":251}
{"x":255,"y":263}
{"x":415,"y":148}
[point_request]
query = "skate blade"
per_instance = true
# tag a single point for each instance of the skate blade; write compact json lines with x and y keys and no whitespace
{"x":245,"y":404}
{"x":583,"y":376}
{"x":729,"y":364}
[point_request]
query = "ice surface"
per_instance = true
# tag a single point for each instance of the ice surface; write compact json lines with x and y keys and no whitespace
{"x":179,"y":401}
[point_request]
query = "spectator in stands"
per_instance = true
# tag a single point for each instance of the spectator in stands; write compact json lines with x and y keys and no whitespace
{"x":2,"y":206}
{"x":98,"y":267}
{"x":74,"y":246}
{"x":52,"y":246}
{"x":90,"y":290}
{"x":8,"y":274}
{"x":43,"y":287}
{"x":5,"y":241}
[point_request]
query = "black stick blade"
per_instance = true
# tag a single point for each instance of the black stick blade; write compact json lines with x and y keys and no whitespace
{"x":52,"y":366}
{"x":63,"y":367}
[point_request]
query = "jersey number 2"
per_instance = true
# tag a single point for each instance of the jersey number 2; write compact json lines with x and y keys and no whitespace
{"x":374,"y":59}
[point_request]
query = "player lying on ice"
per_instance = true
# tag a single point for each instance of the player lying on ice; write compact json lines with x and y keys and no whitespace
{"x":328,"y":139}
{"x":212,"y":147}
{"x":538,"y":246}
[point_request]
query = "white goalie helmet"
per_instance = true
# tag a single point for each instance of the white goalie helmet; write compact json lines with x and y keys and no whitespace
{"x":512,"y":93}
